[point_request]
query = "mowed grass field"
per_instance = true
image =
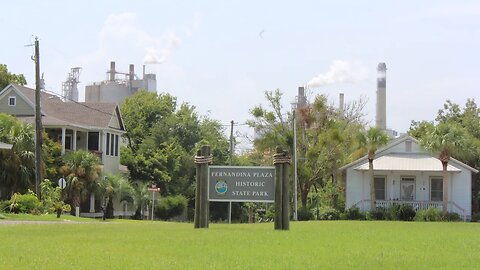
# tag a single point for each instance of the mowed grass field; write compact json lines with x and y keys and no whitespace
{"x":308,"y":245}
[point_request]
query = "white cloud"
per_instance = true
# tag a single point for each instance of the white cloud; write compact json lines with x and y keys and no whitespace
{"x":340,"y":72}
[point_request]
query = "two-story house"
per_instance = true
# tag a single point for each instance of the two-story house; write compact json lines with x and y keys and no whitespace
{"x":96,"y":127}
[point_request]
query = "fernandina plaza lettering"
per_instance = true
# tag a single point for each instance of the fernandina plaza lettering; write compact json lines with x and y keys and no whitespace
{"x":241,"y":174}
{"x":241,"y":183}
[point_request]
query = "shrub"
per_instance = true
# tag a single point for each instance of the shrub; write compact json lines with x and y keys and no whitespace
{"x":353,"y":213}
{"x":429,"y":214}
{"x":304,"y":214}
{"x":391,"y":213}
{"x":25,"y":203}
{"x":406,"y":212}
{"x":378,"y":213}
{"x":2,"y":216}
{"x":4,"y":205}
{"x":476,"y":217}
{"x":450,"y":216}
{"x":170,"y":207}
{"x":329,"y":214}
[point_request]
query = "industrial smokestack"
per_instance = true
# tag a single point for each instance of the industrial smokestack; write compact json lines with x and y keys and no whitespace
{"x":112,"y":71}
{"x":131,"y":73}
{"x":381,"y":117}
{"x":302,"y":100}
{"x":341,"y":104}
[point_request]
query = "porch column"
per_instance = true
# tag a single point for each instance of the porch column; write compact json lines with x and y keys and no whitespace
{"x":92,"y":203}
{"x":86,"y":141}
{"x":63,"y":140}
{"x":104,"y":144}
{"x":74,"y":144}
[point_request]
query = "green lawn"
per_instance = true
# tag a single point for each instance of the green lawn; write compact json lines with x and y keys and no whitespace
{"x":308,"y":245}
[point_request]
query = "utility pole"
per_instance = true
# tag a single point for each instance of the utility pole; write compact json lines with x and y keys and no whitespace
{"x":295,"y":177}
{"x":231,"y":164}
{"x":231,"y":142}
{"x":38,"y":121}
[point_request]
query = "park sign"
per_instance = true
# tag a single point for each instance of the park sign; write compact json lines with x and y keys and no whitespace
{"x":241,"y":184}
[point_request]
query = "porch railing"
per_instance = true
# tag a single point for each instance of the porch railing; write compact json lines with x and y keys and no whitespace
{"x":416,"y":205}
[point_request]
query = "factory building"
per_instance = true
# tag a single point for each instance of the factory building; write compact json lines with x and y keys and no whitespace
{"x":119,"y":85}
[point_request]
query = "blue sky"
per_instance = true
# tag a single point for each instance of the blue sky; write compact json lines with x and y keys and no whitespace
{"x":222,"y":55}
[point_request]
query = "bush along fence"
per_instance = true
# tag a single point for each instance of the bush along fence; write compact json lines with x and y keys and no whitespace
{"x":398,"y":212}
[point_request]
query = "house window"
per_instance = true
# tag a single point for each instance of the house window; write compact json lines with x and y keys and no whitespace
{"x":112,"y":144}
{"x":116,"y":145}
{"x":107,"y":145}
{"x":93,"y":141}
{"x":436,"y":189}
{"x":407,"y":189}
{"x":12,"y":101}
{"x":68,"y":141}
{"x":379,"y":184}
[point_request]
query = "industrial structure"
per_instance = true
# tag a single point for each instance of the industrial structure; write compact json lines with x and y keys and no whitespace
{"x":381,"y":115}
{"x":381,"y":112}
{"x":117,"y":88}
{"x":69,"y":87}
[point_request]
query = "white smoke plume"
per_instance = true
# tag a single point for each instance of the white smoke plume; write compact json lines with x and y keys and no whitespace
{"x":153,"y":55}
{"x":340,"y":72}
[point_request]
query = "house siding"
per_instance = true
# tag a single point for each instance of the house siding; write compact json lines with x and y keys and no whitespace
{"x":21,"y":107}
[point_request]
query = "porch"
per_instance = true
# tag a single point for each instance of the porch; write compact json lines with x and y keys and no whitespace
{"x":364,"y":205}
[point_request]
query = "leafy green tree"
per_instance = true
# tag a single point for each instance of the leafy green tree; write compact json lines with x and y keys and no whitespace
{"x":163,"y":139}
{"x":81,"y":170}
{"x":370,"y":142}
{"x":7,"y":78}
{"x":324,"y":138}
{"x":142,"y":111}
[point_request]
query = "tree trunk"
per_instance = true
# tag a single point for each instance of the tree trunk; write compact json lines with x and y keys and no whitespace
{"x":372,"y":184}
{"x":75,"y":200}
{"x":445,"y":187}
{"x":304,"y":197}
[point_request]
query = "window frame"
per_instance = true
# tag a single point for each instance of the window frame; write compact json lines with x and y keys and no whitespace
{"x":14,"y":98}
{"x":384,"y":178}
{"x":432,"y":178}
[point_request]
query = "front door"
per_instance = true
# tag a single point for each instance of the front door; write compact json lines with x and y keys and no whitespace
{"x":407,"y":189}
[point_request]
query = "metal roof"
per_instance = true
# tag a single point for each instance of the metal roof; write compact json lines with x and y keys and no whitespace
{"x":407,"y":162}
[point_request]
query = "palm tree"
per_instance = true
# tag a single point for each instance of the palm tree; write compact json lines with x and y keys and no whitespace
{"x":114,"y":187}
{"x":446,"y":139}
{"x":17,"y":166}
{"x":369,"y":142}
{"x":141,"y":197}
{"x":82,"y":171}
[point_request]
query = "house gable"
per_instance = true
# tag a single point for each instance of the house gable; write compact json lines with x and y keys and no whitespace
{"x":116,"y":121}
{"x":404,"y":145}
{"x":23,"y":106}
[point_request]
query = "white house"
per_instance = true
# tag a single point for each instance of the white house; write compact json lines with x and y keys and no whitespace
{"x":406,"y":173}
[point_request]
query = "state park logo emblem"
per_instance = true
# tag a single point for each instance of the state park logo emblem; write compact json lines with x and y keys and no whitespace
{"x":221,"y":187}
